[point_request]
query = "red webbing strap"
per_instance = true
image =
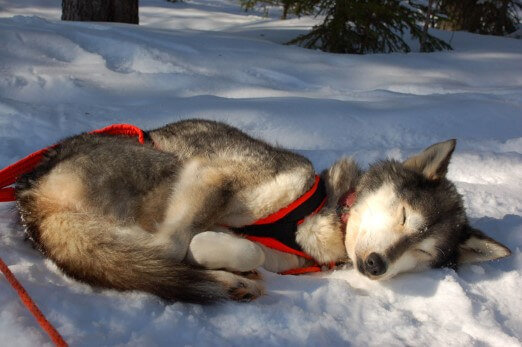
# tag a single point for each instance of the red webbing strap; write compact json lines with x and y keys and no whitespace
{"x":31,"y":306}
{"x":308,"y":269}
{"x":10,"y":174}
{"x":302,"y":270}
{"x":275,"y":244}
{"x":122,"y":129}
{"x":7,"y":194}
{"x":274,"y":217}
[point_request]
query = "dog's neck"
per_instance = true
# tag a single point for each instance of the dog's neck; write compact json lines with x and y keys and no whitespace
{"x":322,"y":235}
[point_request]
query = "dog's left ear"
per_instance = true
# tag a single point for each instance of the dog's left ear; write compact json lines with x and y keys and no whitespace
{"x":480,"y":247}
{"x":433,"y":161}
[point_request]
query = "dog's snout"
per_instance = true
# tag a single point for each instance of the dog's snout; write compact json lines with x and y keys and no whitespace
{"x":374,"y":265}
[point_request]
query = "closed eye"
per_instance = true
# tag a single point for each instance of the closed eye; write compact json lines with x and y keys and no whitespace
{"x":403,"y":220}
{"x":423,"y":252}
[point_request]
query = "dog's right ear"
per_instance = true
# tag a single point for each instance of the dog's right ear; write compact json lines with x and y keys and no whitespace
{"x":433,"y":161}
{"x":480,"y":247}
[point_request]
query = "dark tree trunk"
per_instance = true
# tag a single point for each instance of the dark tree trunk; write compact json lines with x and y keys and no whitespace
{"x":502,"y":24}
{"x":426,"y":27}
{"x":123,"y":11}
{"x":286,"y":6}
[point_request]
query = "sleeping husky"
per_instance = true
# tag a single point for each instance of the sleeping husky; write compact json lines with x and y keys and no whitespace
{"x":169,"y":217}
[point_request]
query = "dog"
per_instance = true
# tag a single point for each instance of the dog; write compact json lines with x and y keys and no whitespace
{"x":169,"y":217}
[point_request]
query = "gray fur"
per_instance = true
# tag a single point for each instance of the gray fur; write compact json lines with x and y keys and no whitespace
{"x":212,"y":140}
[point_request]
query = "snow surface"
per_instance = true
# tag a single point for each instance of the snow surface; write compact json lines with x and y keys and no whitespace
{"x":209,"y":59}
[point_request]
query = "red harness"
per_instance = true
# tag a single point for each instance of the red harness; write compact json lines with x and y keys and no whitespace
{"x":278,"y":230}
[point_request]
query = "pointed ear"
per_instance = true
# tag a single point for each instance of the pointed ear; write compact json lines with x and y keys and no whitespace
{"x":480,"y":247}
{"x":433,"y":161}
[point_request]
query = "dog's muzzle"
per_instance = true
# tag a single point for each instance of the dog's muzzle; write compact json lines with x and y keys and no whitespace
{"x":373,"y":266}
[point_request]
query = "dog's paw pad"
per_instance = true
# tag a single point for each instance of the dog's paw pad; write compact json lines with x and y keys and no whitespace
{"x":238,"y":287}
{"x":246,"y":290}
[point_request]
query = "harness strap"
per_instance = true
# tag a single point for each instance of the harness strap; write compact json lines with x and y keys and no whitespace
{"x":10,"y":174}
{"x":278,"y":230}
{"x":299,"y":207}
{"x":308,"y":269}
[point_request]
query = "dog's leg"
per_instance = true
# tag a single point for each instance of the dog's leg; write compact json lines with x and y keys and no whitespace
{"x":277,"y":261}
{"x":200,"y":196}
{"x":220,"y":250}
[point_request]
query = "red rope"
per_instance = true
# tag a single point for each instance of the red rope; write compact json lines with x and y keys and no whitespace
{"x":8,"y":176}
{"x":31,"y":306}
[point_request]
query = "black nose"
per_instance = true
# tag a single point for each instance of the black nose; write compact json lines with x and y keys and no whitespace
{"x":374,"y":265}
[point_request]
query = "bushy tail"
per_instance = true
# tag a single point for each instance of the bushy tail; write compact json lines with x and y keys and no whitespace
{"x":103,"y":254}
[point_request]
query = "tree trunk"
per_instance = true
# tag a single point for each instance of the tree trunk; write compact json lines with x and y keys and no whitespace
{"x":123,"y":11}
{"x":286,"y":6}
{"x":426,"y":27}
{"x":501,"y":26}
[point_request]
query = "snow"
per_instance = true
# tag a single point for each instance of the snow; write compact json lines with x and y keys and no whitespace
{"x":209,"y":59}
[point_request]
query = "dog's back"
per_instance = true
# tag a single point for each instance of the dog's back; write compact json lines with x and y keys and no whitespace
{"x":214,"y":140}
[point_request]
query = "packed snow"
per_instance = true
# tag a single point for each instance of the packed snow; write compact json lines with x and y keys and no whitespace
{"x":209,"y":59}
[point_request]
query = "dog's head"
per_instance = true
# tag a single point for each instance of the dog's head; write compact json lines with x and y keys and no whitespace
{"x":409,"y":217}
